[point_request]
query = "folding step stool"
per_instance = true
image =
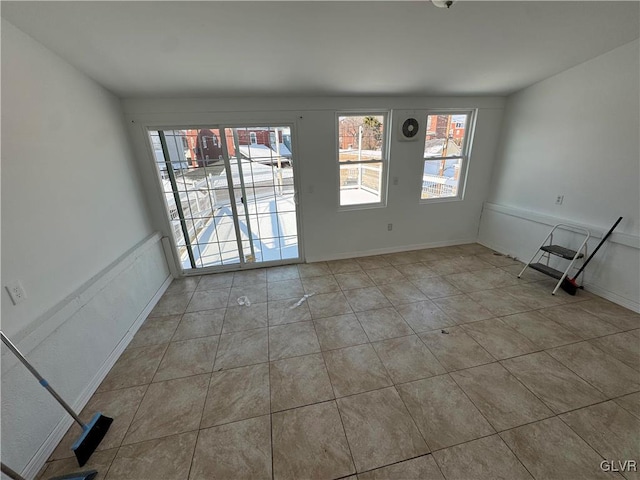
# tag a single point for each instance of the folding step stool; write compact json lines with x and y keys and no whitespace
{"x":545,"y":252}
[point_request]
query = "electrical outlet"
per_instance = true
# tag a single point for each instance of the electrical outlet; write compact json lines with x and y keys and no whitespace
{"x":390,"y":226}
{"x":395,"y":180}
{"x":559,"y":199}
{"x":16,"y":292}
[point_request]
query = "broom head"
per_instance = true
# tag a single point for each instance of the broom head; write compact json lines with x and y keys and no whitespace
{"x":569,"y":285}
{"x":92,"y":435}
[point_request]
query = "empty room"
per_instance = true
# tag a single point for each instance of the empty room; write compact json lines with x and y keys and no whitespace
{"x":320,"y":240}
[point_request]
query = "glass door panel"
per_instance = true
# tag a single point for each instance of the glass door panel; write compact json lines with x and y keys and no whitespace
{"x":229,"y":194}
{"x":262,"y":166}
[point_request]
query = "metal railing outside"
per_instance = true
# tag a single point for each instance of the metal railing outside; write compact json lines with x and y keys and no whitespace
{"x":362,"y":176}
{"x":436,"y":190}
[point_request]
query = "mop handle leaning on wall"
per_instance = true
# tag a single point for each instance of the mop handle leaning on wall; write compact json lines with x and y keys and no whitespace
{"x":42,"y":381}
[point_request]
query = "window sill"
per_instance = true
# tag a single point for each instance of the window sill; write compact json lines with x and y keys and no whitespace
{"x":439,"y":200}
{"x":362,"y":206}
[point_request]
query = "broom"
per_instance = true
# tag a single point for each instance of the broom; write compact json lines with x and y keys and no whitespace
{"x":570,"y":285}
{"x":88,"y":475}
{"x":92,"y":432}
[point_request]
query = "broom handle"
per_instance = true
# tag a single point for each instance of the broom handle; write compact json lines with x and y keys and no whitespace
{"x":604,"y":239}
{"x":41,"y":379}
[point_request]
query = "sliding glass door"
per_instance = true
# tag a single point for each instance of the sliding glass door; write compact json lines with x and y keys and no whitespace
{"x":229,"y":194}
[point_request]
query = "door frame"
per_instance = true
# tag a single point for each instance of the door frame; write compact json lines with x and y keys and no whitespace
{"x":220,"y":126}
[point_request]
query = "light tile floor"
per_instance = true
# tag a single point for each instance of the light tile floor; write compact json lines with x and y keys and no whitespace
{"x":431,"y":364}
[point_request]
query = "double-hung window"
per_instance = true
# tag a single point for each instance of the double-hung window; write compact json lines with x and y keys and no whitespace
{"x":446,"y":154}
{"x":362,"y":158}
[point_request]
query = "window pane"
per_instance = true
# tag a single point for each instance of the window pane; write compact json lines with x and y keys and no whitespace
{"x":445,"y":135}
{"x":208,"y":254}
{"x":360,"y":183}
{"x":440,"y":178}
{"x":360,"y":137}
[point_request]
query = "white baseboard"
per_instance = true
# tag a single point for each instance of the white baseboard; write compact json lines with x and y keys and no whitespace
{"x":500,"y":249}
{"x":36,"y":463}
{"x":628,"y":242}
{"x":612,"y":296}
{"x":589,"y":287}
{"x":382,"y":251}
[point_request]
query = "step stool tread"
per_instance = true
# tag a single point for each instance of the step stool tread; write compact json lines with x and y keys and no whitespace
{"x":561,"y":251}
{"x":547,"y":270}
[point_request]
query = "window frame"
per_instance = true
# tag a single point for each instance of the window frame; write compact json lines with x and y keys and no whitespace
{"x":384,"y":160}
{"x":465,"y":153}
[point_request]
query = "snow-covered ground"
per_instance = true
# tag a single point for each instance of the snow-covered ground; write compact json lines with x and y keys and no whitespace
{"x":357,"y":196}
{"x":269,"y":223}
{"x":267,"y":215}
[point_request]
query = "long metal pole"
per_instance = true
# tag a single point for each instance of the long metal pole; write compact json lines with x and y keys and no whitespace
{"x":41,"y":379}
{"x":232,"y":196}
{"x":244,"y":192}
{"x":176,"y":197}
{"x":279,"y":160}
{"x":360,"y":157}
{"x":445,"y":147}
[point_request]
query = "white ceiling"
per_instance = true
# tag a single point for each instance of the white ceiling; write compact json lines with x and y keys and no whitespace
{"x":185,"y":48}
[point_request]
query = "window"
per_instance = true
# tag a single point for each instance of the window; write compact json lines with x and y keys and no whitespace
{"x":253,"y":138}
{"x":362,"y":158}
{"x":446,"y":152}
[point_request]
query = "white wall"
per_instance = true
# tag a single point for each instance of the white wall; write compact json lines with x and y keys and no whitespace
{"x":574,"y":134}
{"x":327,"y":232}
{"x":74,"y":229}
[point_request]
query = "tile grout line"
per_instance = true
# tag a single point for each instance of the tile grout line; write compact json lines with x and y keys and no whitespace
{"x":580,"y":436}
{"x":397,"y":463}
{"x":539,"y":350}
{"x":470,"y":337}
{"x":524,"y":386}
{"x":270,"y":395}
{"x":146,"y":390}
{"x":497,"y":432}
{"x":564,"y":304}
{"x":568,"y":367}
{"x":474,"y":405}
{"x":394,"y":384}
{"x":555,"y":415}
{"x":413,"y":419}
{"x":392,"y":338}
{"x":204,"y":404}
{"x":335,"y":402}
{"x":514,"y":453}
{"x":344,"y":430}
{"x":149,"y":385}
{"x":590,"y":342}
{"x":622,"y":406}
